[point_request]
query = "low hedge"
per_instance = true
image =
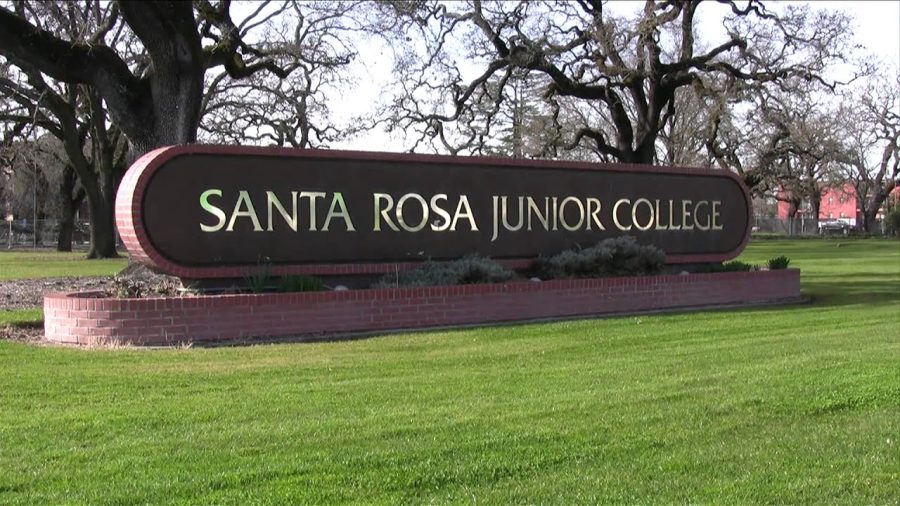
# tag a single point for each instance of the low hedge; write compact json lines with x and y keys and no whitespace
{"x":620,"y":256}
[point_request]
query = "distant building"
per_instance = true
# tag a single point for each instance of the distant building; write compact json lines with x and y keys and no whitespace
{"x":837,"y":204}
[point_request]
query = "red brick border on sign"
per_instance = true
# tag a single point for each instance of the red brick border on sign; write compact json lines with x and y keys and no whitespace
{"x":85,"y":318}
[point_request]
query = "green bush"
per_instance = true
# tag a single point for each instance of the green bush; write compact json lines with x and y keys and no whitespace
{"x":465,"y":271}
{"x":781,"y":262}
{"x":621,"y":256}
{"x":893,"y":222}
{"x":733,"y":266}
{"x":736,"y":266}
{"x":259,"y":280}
{"x":300,"y":283}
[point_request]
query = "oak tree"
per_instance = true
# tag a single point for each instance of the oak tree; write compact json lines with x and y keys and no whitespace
{"x":621,"y":74}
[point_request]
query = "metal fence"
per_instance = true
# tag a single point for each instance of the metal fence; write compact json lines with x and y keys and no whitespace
{"x":801,"y":226}
{"x":24,"y":234}
{"x":774,"y":225}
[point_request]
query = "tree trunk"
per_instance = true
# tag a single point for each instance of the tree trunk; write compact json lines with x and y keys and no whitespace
{"x":869,"y":219}
{"x":66,"y":228}
{"x":815,"y":203}
{"x":68,"y":203}
{"x":103,"y":228}
{"x":792,"y":216}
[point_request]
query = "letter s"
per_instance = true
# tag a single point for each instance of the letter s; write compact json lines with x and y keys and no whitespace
{"x":213,"y":210}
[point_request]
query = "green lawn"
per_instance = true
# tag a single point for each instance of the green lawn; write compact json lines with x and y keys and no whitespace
{"x":796,"y":404}
{"x":21,"y":264}
{"x":22,"y":317}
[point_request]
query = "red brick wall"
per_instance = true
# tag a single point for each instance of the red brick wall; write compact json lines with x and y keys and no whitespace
{"x":838,"y":203}
{"x":83,"y":319}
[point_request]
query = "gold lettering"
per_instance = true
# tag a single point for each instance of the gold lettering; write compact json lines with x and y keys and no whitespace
{"x":400,"y":219}
{"x":591,"y":203}
{"x":338,"y":201}
{"x":659,"y":226}
{"x":634,"y":214}
{"x":213,"y":210}
{"x":464,"y":203}
{"x":445,"y":216}
{"x":715,"y":215}
{"x":312,"y":206}
{"x":244,"y":197}
{"x":686,"y":215}
{"x":616,"y":214}
{"x":562,"y":214}
{"x":504,"y":214}
{"x":555,"y":210}
{"x":272,"y":201}
{"x":383,"y":213}
{"x":697,"y":206}
{"x":496,"y":216}
{"x":672,"y":216}
{"x":543,"y":218}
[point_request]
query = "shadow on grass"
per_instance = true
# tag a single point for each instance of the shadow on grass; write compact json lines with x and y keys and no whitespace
{"x":32,"y":324}
{"x":839,"y":292}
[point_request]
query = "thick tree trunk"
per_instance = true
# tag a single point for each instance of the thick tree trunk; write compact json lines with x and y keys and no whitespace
{"x":814,"y":213}
{"x":103,"y":230}
{"x":66,"y":228}
{"x":792,"y":217}
{"x":101,"y":202}
{"x":68,"y":203}
{"x":815,"y":204}
{"x":869,"y":223}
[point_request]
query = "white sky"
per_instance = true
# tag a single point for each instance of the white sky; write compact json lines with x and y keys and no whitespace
{"x":877,"y":29}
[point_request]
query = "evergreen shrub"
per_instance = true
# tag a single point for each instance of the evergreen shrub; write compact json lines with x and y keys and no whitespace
{"x":620,"y":256}
{"x":468,"y":270}
{"x":781,"y":262}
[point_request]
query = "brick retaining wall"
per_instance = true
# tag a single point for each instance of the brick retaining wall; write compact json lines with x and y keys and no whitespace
{"x":83,"y":318}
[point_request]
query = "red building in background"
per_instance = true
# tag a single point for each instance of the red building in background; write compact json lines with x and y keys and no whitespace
{"x":838,"y":204}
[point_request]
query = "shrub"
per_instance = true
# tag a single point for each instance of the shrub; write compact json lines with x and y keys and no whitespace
{"x":621,"y":256}
{"x":299,"y":283}
{"x":781,"y":262}
{"x":136,"y":281}
{"x":465,"y":271}
{"x":893,"y":222}
{"x":733,"y":266}
{"x":259,"y":280}
{"x":736,"y":266}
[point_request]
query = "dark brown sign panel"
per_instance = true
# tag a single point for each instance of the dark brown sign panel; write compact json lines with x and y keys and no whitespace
{"x":208,"y":211}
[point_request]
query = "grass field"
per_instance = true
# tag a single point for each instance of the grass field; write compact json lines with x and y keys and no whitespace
{"x":21,"y":264}
{"x":796,"y":404}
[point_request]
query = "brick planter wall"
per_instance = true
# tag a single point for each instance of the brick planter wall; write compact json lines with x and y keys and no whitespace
{"x":83,"y":318}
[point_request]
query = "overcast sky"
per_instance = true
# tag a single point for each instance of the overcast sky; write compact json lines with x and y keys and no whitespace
{"x":877,"y":29}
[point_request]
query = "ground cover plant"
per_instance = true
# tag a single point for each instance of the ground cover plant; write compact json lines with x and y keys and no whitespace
{"x":797,"y":404}
{"x":619,"y":256}
{"x":468,"y":270}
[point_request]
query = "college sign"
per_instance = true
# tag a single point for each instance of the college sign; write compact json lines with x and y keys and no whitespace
{"x":215,"y":211}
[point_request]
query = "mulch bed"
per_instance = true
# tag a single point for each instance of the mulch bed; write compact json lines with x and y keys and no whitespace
{"x":29,"y":294}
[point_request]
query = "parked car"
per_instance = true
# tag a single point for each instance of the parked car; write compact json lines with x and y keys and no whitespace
{"x":834,"y":227}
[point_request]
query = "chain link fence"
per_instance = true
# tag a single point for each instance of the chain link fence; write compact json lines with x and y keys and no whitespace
{"x":22,"y":233}
{"x":803,"y":226}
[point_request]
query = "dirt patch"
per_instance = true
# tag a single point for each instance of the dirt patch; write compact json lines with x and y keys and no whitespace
{"x":29,"y":293}
{"x":23,"y":333}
